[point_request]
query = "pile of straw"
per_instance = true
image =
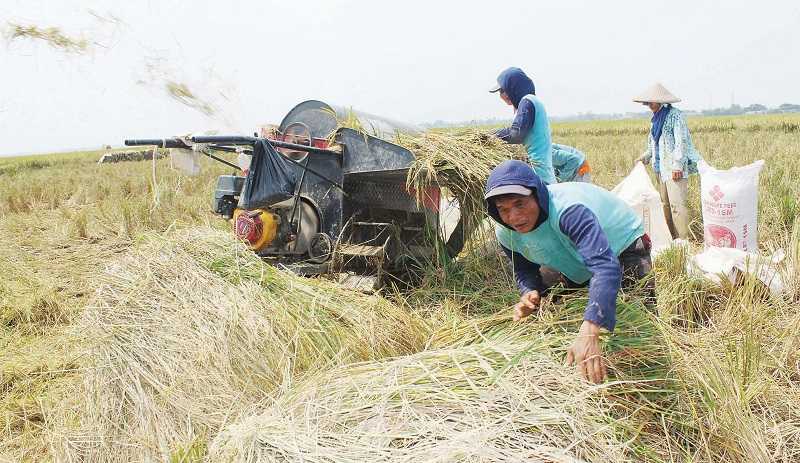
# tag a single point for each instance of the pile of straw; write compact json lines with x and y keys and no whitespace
{"x":477,"y":403}
{"x":190,"y":328}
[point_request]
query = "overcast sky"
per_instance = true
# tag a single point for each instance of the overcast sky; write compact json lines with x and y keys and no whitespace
{"x":415,"y":61}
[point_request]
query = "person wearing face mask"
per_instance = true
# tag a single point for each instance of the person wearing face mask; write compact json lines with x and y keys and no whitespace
{"x":584,"y":232}
{"x":672,"y":154}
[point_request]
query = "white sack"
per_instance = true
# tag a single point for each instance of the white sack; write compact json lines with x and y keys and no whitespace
{"x":638,"y":192}
{"x":186,"y":160}
{"x":730,"y":205}
{"x":244,"y":161}
{"x":449,"y":215}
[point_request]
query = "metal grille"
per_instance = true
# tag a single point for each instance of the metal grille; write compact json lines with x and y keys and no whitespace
{"x":384,"y":195}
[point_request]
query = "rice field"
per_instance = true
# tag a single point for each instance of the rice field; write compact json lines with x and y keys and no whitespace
{"x":133,"y":327}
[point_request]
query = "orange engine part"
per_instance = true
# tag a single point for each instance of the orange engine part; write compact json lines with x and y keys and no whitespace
{"x":257,"y":227}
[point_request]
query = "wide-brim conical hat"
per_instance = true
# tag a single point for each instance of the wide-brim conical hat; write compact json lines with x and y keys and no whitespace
{"x":656,"y":94}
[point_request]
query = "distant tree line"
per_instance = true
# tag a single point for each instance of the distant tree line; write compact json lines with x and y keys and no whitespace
{"x":732,"y":110}
{"x":754,"y":108}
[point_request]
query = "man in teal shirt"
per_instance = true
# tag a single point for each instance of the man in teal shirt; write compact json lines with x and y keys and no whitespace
{"x":583,"y":231}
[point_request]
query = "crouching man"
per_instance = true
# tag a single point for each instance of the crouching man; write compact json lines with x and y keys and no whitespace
{"x":584,"y":232}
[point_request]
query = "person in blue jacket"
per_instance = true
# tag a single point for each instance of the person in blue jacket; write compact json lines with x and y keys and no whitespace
{"x":530,"y":127}
{"x":584,"y":232}
{"x":570,"y":164}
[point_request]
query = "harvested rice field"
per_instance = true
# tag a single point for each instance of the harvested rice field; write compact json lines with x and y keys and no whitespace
{"x":135,"y":327}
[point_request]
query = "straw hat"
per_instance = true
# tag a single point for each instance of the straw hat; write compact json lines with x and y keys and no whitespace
{"x":656,"y":93}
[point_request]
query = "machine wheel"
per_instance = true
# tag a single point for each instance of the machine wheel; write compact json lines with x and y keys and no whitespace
{"x":320,"y":249}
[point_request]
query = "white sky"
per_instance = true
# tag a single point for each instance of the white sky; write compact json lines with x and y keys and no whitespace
{"x":414,"y":61}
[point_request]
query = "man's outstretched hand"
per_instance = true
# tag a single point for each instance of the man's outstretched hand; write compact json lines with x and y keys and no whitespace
{"x":527,"y":304}
{"x":586,"y":353}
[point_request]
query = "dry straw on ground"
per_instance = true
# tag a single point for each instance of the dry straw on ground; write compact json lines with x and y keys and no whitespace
{"x":455,"y":404}
{"x":712,"y":375}
{"x":189,"y":329}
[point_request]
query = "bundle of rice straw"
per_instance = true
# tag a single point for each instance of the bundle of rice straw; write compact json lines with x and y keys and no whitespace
{"x":191,"y":328}
{"x":482,"y":403}
{"x":461,"y":162}
{"x":180,"y":92}
{"x":50,"y":35}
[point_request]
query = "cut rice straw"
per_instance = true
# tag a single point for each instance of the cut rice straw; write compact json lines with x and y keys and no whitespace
{"x":441,"y":405}
{"x":50,"y":35}
{"x":459,"y":161}
{"x":191,"y":328}
{"x":181,"y":93}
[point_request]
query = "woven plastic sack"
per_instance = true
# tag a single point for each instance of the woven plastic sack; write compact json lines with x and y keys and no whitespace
{"x":730,"y":205}
{"x":638,"y":192}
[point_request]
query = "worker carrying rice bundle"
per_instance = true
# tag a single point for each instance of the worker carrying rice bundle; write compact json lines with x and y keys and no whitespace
{"x":671,"y":152}
{"x":531,"y":128}
{"x":584,"y":232}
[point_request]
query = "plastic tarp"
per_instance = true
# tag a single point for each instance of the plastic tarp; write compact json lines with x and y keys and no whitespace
{"x":716,"y":263}
{"x":271,"y":178}
{"x":638,"y":192}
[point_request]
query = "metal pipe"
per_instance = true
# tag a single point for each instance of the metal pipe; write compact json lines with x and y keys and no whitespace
{"x":227,"y":163}
{"x":160,"y":142}
{"x":237,"y":140}
{"x":242,"y":140}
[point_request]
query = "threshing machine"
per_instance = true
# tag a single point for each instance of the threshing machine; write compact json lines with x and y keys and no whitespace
{"x":319,"y":199}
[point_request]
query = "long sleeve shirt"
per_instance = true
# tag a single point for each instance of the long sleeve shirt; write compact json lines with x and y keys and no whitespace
{"x":583,"y":229}
{"x":676,"y":151}
{"x":521,"y":125}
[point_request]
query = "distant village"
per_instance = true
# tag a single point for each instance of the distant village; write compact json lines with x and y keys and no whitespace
{"x":732,"y":110}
